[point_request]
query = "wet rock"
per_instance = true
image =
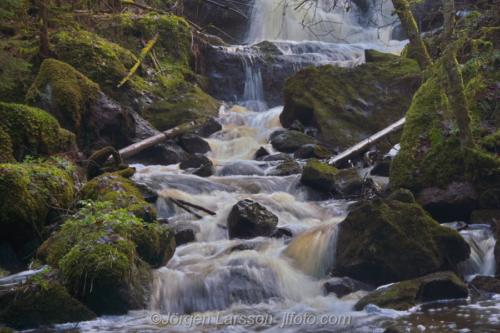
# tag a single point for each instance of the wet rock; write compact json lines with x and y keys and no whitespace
{"x":281,"y":233}
{"x":163,"y":221}
{"x":486,"y":284}
{"x":286,"y":169}
{"x":242,"y":247}
{"x":261,"y":152}
{"x":193,"y":143}
{"x":206,"y":170}
{"x":457,"y":225}
{"x":381,"y":169}
{"x":376,"y":56}
{"x":31,"y":306}
{"x":346,"y":105}
{"x":326,"y":178}
{"x":240,"y":168}
{"x":148,"y":193}
{"x":276,"y":157}
{"x":267,"y":47}
{"x":249,"y":219}
{"x":184,"y":236}
{"x":348,"y":182}
{"x":456,"y":202}
{"x":345,"y":286}
{"x":396,"y":329}
{"x":208,"y":129}
{"x":404,"y":295}
{"x":316,"y":151}
{"x":386,"y":241}
{"x":195,"y":160}
{"x":296,"y":126}
{"x":165,"y":153}
{"x":290,"y":141}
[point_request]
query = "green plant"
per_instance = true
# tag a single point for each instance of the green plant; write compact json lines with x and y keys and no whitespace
{"x":41,"y":279}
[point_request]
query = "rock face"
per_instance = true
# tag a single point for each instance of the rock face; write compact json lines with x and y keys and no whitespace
{"x":345,"y":286}
{"x":32,"y":306}
{"x":347,"y":105}
{"x":326,"y":178}
{"x":406,"y":294}
{"x":453,"y":203}
{"x":386,"y":241}
{"x":250,"y":219}
{"x":290,"y":141}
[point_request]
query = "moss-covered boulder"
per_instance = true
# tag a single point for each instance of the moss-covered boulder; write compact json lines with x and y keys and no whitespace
{"x":28,"y":192}
{"x":387,"y":240}
{"x":347,"y":105}
{"x":63,"y":92}
{"x":404,"y":295}
{"x":33,"y":305}
{"x":26,"y":131}
{"x":376,"y":56}
{"x":486,"y":284}
{"x":104,"y":255}
{"x":287,"y":169}
{"x":290,"y":141}
{"x":121,"y":192}
{"x":321,"y":176}
{"x":316,"y":151}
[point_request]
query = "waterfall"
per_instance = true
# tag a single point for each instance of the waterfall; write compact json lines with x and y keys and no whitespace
{"x":482,"y":258}
{"x":253,"y":96}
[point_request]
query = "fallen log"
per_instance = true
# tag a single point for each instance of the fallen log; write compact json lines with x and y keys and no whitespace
{"x":163,"y":136}
{"x":142,"y":55}
{"x":175,"y":201}
{"x":208,"y":211}
{"x":367,"y":143}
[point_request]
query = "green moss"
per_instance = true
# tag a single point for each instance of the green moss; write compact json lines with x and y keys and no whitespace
{"x":67,"y":93}
{"x":395,"y":241}
{"x":349,"y":104}
{"x":25,"y":130}
{"x":27,"y":191}
{"x":32,"y":306}
{"x":319,"y":175}
{"x":121,"y":192}
{"x":404,"y":295}
{"x":376,"y":56}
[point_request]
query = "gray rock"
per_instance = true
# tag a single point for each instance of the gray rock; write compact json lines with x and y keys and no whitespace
{"x":290,"y":141}
{"x":193,"y":143}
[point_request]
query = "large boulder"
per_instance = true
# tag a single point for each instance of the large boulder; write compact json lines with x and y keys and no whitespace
{"x":105,"y":254}
{"x":326,"y":178}
{"x":28,"y":194}
{"x":195,"y":160}
{"x":193,"y":143}
{"x":290,"y":141}
{"x":347,"y":105}
{"x":249,"y":219}
{"x":387,"y":240}
{"x":27,"y":131}
{"x":405,"y":295}
{"x":33,"y":305}
{"x":345,"y":286}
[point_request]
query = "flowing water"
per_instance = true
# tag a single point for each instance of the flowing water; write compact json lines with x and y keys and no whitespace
{"x":276,"y":285}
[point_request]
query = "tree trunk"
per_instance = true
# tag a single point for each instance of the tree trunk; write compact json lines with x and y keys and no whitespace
{"x":367,"y":143}
{"x":410,"y":27}
{"x":44,"y":35}
{"x":449,"y":17}
{"x":163,"y":136}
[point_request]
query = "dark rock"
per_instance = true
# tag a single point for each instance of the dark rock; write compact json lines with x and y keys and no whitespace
{"x":396,"y":329}
{"x":486,"y":216}
{"x":206,"y":170}
{"x":28,"y":250}
{"x":345,"y":286}
{"x":193,"y":143}
{"x":8,"y":257}
{"x":316,"y":151}
{"x":184,"y":236}
{"x":290,"y":141}
{"x":403,"y":195}
{"x":486,"y":284}
{"x":330,"y":99}
{"x":163,"y":221}
{"x":267,"y":47}
{"x":286,"y":169}
{"x":250,"y":219}
{"x":281,"y":233}
{"x":148,"y":193}
{"x":406,"y":294}
{"x":242,"y":247}
{"x":32,"y":306}
{"x":276,"y":133}
{"x":386,"y":241}
{"x":276,"y":157}
{"x":240,"y":168}
{"x":164,"y":153}
{"x":213,"y":126}
{"x":195,"y":160}
{"x":261,"y":152}
{"x":381,"y":169}
{"x":324,"y":177}
{"x":456,"y":202}
{"x":348,"y":182}
{"x":296,"y":126}
{"x":376,"y":56}
{"x":457,"y":225}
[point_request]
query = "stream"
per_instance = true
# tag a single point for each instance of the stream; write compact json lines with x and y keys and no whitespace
{"x":276,"y":285}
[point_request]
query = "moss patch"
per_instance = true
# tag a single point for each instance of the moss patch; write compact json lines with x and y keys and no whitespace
{"x":64,"y":92}
{"x":27,"y":193}
{"x":25,"y":130}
